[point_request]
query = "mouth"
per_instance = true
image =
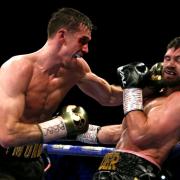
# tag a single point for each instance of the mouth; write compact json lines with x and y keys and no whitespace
{"x":169,"y":73}
{"x":77,"y":55}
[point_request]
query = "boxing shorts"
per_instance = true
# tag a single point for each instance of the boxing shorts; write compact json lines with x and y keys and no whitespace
{"x":126,"y":166}
{"x":22,"y":162}
{"x":26,"y":152}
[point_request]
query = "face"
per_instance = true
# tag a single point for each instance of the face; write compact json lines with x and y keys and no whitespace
{"x":76,"y":43}
{"x":171,"y":65}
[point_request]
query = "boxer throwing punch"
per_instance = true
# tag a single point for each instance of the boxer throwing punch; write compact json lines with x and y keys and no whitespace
{"x":150,"y":128}
{"x":33,"y":85}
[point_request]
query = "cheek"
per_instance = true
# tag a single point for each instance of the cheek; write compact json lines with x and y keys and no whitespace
{"x":178,"y":71}
{"x":74,"y":45}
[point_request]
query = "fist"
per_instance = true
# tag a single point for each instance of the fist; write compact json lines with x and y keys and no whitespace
{"x":75,"y":118}
{"x":133,"y":75}
{"x":155,"y":73}
{"x":155,"y":80}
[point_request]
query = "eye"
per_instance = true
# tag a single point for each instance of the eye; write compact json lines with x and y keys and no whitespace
{"x":167,"y":58}
{"x":84,"y":40}
{"x":178,"y":59}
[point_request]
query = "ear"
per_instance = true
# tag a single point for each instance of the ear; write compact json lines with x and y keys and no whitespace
{"x":61,"y":33}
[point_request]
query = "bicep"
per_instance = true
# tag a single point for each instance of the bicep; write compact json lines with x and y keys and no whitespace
{"x":12,"y":92}
{"x":11,"y":108}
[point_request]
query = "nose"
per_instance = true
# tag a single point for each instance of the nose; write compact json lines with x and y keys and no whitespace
{"x":171,"y":63}
{"x":85,"y":48}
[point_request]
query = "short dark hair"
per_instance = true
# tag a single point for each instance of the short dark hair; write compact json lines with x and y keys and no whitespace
{"x":175,"y":43}
{"x":69,"y":18}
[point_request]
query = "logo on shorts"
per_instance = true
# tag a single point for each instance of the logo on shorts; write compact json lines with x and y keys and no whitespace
{"x":110,"y":161}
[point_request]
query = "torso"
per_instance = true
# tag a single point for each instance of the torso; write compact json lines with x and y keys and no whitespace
{"x":46,"y":91}
{"x":163,"y":134}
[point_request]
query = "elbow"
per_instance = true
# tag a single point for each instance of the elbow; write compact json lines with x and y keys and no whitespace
{"x":6,"y":141}
{"x":8,"y":136}
{"x":138,"y":138}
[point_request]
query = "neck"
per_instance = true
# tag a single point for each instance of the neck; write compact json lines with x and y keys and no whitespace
{"x":48,"y":57}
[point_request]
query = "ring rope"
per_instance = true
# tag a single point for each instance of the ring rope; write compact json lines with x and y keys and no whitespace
{"x":61,"y":149}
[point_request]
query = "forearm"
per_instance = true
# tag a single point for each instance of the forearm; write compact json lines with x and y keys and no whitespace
{"x":135,"y":117}
{"x":19,"y":134}
{"x":133,"y":78}
{"x":73,"y":121}
{"x":101,"y":90}
{"x":109,"y":134}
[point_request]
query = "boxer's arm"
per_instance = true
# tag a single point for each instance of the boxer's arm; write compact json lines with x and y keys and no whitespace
{"x":14,"y":132}
{"x":72,"y":121}
{"x":109,"y":134}
{"x":90,"y":136}
{"x":97,"y":87}
{"x":165,"y":119}
{"x":132,"y":77}
{"x":13,"y":84}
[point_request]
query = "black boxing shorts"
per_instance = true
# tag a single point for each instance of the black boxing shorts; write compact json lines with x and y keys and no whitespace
{"x":22,"y":162}
{"x":27,"y":152}
{"x":126,"y":166}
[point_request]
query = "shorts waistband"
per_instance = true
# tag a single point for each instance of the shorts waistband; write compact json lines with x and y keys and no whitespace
{"x":27,"y":152}
{"x":142,"y":156}
{"x":126,"y":163}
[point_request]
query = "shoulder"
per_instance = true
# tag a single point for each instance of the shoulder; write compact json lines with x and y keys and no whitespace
{"x":16,"y":73}
{"x":17,"y":65}
{"x":172,"y":105}
{"x":175,"y":96}
{"x":19,"y":60}
{"x":83,"y":65}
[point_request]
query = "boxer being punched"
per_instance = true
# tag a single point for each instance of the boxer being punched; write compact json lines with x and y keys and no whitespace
{"x":33,"y":85}
{"x":150,"y":128}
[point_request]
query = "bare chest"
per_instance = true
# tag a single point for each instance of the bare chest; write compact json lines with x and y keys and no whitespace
{"x":45,"y":93}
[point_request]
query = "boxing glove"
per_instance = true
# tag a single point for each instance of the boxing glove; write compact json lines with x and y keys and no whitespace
{"x":132,"y":75}
{"x":75,"y":119}
{"x":155,"y":79}
{"x":72,"y":120}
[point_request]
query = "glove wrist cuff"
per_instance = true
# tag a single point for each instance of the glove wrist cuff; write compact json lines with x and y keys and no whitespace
{"x":90,"y":136}
{"x":132,"y":100}
{"x":52,"y":129}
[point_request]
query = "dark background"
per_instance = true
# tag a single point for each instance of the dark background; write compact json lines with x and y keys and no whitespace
{"x":126,"y":32}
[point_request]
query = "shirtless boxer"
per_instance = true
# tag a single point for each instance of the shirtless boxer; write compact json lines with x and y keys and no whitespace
{"x":150,"y":129}
{"x":33,"y":85}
